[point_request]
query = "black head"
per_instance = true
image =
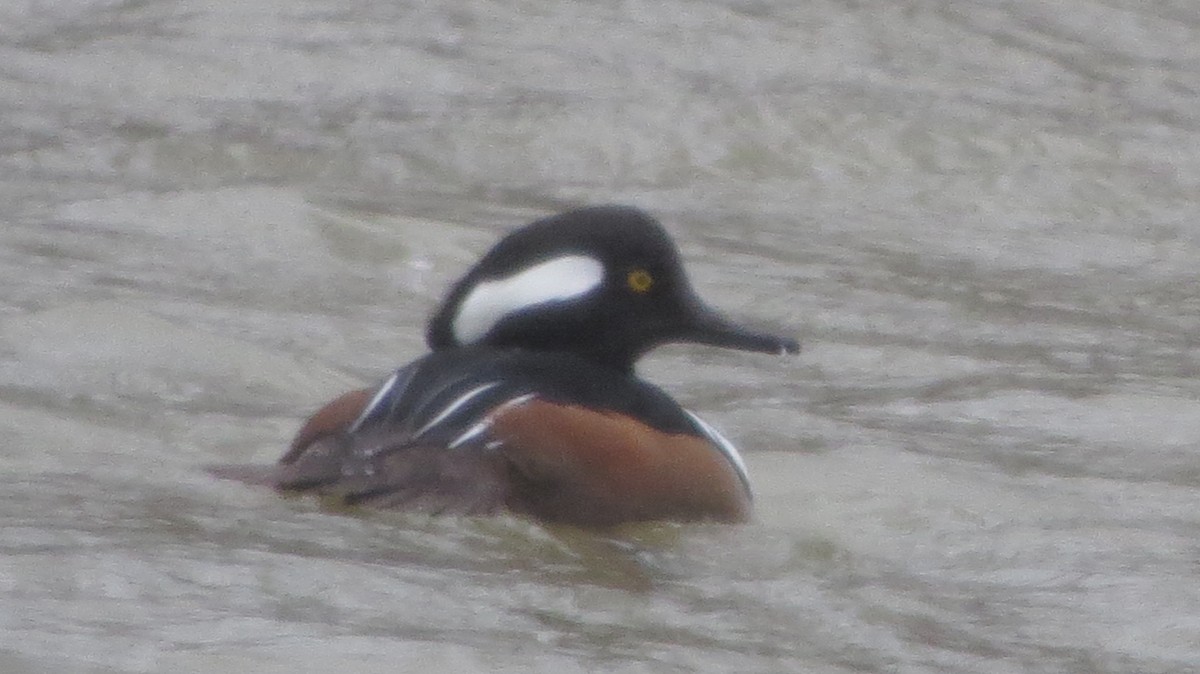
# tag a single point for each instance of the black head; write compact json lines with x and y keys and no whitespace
{"x":604,"y":282}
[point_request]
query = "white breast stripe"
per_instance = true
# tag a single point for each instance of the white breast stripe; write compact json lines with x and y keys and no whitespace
{"x":462,"y":400}
{"x":378,"y":397}
{"x":479,"y":428}
{"x":556,"y":280}
{"x":724,"y":445}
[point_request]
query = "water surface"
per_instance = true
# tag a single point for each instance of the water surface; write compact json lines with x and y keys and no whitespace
{"x":979,"y":219}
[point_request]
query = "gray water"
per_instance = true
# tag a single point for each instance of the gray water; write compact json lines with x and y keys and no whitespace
{"x":980,"y":219}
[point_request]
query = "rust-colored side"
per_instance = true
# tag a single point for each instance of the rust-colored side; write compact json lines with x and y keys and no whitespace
{"x":334,"y":417}
{"x":571,"y":464}
{"x":325,"y":423}
{"x":380,"y":468}
{"x":559,"y":463}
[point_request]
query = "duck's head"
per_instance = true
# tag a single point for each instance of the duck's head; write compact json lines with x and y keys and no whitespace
{"x":604,"y":282}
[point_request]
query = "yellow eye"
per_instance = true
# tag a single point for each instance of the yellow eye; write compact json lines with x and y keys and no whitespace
{"x":639,"y":281}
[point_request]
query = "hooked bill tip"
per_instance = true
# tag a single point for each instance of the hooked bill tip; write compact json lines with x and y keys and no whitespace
{"x":718,"y":332}
{"x":788,"y":346}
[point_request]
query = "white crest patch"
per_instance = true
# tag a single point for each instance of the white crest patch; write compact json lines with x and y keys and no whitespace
{"x":556,"y":280}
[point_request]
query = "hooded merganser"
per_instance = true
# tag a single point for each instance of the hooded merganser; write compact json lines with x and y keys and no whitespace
{"x":527,"y":401}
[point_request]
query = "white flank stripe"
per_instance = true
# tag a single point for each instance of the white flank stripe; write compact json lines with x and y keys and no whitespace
{"x":556,"y":280}
{"x":472,"y":433}
{"x":462,"y":400}
{"x":724,"y":445}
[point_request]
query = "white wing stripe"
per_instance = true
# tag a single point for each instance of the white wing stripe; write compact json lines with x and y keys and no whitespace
{"x":478,"y":429}
{"x":452,"y":407}
{"x":378,"y":398}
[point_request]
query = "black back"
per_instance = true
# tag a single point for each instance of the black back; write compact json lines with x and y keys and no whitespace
{"x":439,"y":397}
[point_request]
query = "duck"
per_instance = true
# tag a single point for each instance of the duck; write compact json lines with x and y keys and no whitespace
{"x":527,"y":402}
